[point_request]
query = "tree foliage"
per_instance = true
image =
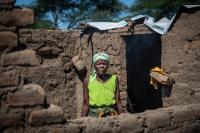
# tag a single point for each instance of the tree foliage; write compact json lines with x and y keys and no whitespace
{"x":52,"y":10}
{"x":95,"y":10}
{"x":72,"y":12}
{"x":43,"y":24}
{"x":159,"y":8}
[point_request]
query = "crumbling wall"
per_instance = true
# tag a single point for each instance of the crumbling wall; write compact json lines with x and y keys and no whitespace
{"x":55,"y":73}
{"x":40,"y":90}
{"x":181,"y":119}
{"x":181,"y":58}
{"x":37,"y":78}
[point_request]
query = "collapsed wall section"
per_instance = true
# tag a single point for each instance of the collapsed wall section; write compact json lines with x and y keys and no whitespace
{"x":55,"y":72}
{"x":37,"y":78}
{"x":181,"y":119}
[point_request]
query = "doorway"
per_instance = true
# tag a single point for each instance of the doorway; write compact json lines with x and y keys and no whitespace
{"x":143,"y":52}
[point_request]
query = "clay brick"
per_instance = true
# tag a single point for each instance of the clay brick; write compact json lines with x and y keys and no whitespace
{"x":49,"y":50}
{"x":5,"y":28}
{"x":17,"y":17}
{"x":24,"y":57}
{"x":124,"y":103}
{"x":75,"y":128}
{"x":45,"y":51}
{"x":9,"y":78}
{"x":7,"y":1}
{"x":30,"y":94}
{"x":124,"y":95}
{"x":130,"y":124}
{"x":8,"y":39}
{"x":54,"y":114}
{"x":157,"y":119}
{"x":69,"y":128}
{"x":183,"y":114}
{"x":57,"y":130}
{"x":141,"y":29}
{"x":7,"y":120}
{"x":6,"y":6}
{"x":195,"y":44}
{"x":117,"y":60}
{"x":194,"y":128}
{"x":56,"y":50}
{"x":196,"y":110}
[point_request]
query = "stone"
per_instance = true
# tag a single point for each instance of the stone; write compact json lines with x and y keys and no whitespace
{"x":8,"y":120}
{"x":29,"y":95}
{"x":8,"y":39}
{"x":17,"y":17}
{"x":9,"y":78}
{"x":23,"y":57}
{"x":53,"y":114}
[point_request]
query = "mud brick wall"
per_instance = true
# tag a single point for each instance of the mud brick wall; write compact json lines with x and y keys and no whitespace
{"x":55,"y":72}
{"x":38,"y":57}
{"x":177,"y":119}
{"x":40,"y":90}
{"x":181,"y":58}
{"x":41,"y":57}
{"x":37,"y":78}
{"x":56,"y":48}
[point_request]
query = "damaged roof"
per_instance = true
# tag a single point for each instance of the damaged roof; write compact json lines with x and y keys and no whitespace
{"x":162,"y":26}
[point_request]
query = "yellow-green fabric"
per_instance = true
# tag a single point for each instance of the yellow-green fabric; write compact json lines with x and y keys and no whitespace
{"x":102,"y":94}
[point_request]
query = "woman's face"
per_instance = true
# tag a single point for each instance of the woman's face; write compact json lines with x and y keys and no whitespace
{"x":101,"y":67}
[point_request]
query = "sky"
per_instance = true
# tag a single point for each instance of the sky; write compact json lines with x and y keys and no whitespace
{"x":25,"y":2}
{"x":62,"y":25}
{"x":127,"y":2}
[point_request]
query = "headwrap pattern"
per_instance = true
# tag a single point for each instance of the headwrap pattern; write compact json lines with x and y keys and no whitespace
{"x":96,"y":57}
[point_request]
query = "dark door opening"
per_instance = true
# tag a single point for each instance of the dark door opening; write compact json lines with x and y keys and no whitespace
{"x":143,"y":52}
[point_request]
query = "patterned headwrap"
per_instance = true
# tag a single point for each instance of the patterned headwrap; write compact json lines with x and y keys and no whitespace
{"x":96,"y":57}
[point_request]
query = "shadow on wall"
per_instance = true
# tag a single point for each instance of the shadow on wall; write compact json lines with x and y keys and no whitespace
{"x":143,"y":52}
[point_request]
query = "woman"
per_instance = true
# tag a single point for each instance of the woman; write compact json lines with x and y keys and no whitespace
{"x":101,"y":95}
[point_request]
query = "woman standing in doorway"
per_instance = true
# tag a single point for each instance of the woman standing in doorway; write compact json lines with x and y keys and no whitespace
{"x":101,"y":95}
